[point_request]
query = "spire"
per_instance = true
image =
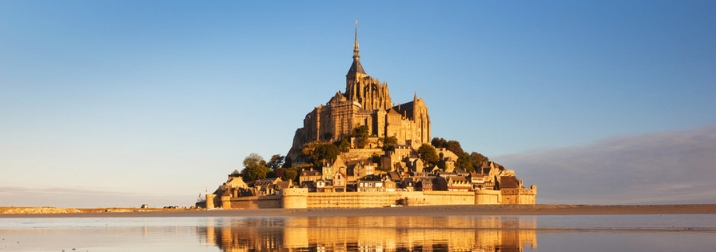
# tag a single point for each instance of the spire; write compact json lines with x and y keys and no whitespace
{"x":356,"y":67}
{"x":356,"y":52}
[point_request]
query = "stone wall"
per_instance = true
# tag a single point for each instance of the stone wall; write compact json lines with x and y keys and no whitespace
{"x":292,"y":198}
{"x":352,"y":199}
{"x":210,"y":201}
{"x":487,"y":197}
{"x":519,"y":195}
{"x":251,"y":202}
{"x":429,"y":198}
{"x":354,"y":154}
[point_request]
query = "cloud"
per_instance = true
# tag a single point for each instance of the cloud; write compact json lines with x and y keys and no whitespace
{"x":86,"y":198}
{"x":657,"y":168}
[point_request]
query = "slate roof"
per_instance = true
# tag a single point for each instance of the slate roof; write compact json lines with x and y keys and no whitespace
{"x":508,"y":182}
{"x":310,"y":173}
{"x":283,"y":184}
{"x":356,"y":67}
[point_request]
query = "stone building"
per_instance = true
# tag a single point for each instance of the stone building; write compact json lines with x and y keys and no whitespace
{"x":366,"y":101}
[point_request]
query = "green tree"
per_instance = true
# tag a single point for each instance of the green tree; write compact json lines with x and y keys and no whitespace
{"x":478,"y":159}
{"x":375,"y":158}
{"x":276,"y":162}
{"x":438,"y":142}
{"x":427,"y":153}
{"x":318,"y":151}
{"x":389,"y":143}
{"x":254,"y":168}
{"x":327,"y":136}
{"x":287,"y":174}
{"x":290,"y":174}
{"x":361,"y":135}
{"x":288,"y":162}
{"x":455,"y":147}
{"x":327,"y":152}
{"x":450,"y":145}
{"x":464,"y":162}
{"x":343,"y":145}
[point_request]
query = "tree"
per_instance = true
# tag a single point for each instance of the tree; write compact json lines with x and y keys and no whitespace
{"x":318,"y":151}
{"x":254,"y":168}
{"x":290,"y":174}
{"x":389,"y":143}
{"x":327,"y":136}
{"x":288,"y":162}
{"x":438,"y":142}
{"x":327,"y":152}
{"x":450,"y":145}
{"x":478,"y":159}
{"x":361,"y":135}
{"x":427,"y":153}
{"x":454,"y":146}
{"x":276,"y":162}
{"x":464,"y":162}
{"x":343,"y":145}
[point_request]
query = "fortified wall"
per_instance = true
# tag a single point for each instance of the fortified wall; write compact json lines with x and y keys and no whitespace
{"x":292,"y":198}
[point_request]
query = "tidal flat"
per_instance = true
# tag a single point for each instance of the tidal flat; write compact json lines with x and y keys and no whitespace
{"x":447,"y":228}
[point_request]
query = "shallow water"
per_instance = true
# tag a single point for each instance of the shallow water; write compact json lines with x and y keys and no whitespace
{"x":390,"y":233}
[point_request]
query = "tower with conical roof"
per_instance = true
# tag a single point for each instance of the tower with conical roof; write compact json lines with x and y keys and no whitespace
{"x":356,"y":70}
{"x":363,"y":89}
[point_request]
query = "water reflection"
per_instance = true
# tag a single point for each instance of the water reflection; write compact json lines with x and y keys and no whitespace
{"x":463,"y":233}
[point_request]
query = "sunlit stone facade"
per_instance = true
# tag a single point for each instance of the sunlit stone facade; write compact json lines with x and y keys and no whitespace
{"x":366,"y":101}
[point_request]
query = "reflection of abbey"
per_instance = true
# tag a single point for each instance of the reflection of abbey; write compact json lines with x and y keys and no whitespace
{"x":375,"y":233}
{"x":365,"y":102}
{"x":368,"y":172}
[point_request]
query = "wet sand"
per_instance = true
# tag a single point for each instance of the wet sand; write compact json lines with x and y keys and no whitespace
{"x":389,"y":211}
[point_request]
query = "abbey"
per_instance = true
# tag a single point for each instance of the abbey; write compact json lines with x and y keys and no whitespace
{"x":369,"y":172}
{"x":366,"y":101}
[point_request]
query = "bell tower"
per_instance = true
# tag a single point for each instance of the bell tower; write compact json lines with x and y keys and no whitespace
{"x":355,"y":73}
{"x":361,"y":88}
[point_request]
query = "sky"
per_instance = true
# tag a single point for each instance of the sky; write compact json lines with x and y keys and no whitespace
{"x":121,"y":103}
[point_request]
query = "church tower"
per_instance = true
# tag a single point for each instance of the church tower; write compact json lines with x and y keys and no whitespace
{"x":363,"y":89}
{"x":355,"y":73}
{"x":365,"y":102}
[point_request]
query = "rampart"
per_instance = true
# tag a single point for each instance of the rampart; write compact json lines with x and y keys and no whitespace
{"x":519,"y":195}
{"x":251,"y":202}
{"x":301,"y":198}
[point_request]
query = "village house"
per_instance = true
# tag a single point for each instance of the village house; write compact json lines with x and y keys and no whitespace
{"x":309,"y":175}
{"x":264,"y":186}
{"x":323,"y":185}
{"x":370,"y":185}
{"x":309,"y":185}
{"x":425,"y":184}
{"x":362,"y":169}
{"x":339,"y":181}
{"x":280,"y":185}
{"x":330,"y":169}
{"x":389,"y":185}
{"x":454,"y":184}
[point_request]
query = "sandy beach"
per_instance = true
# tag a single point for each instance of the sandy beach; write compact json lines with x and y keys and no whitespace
{"x":8,"y":212}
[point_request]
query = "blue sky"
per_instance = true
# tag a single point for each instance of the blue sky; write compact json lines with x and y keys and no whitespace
{"x":156,"y":101}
